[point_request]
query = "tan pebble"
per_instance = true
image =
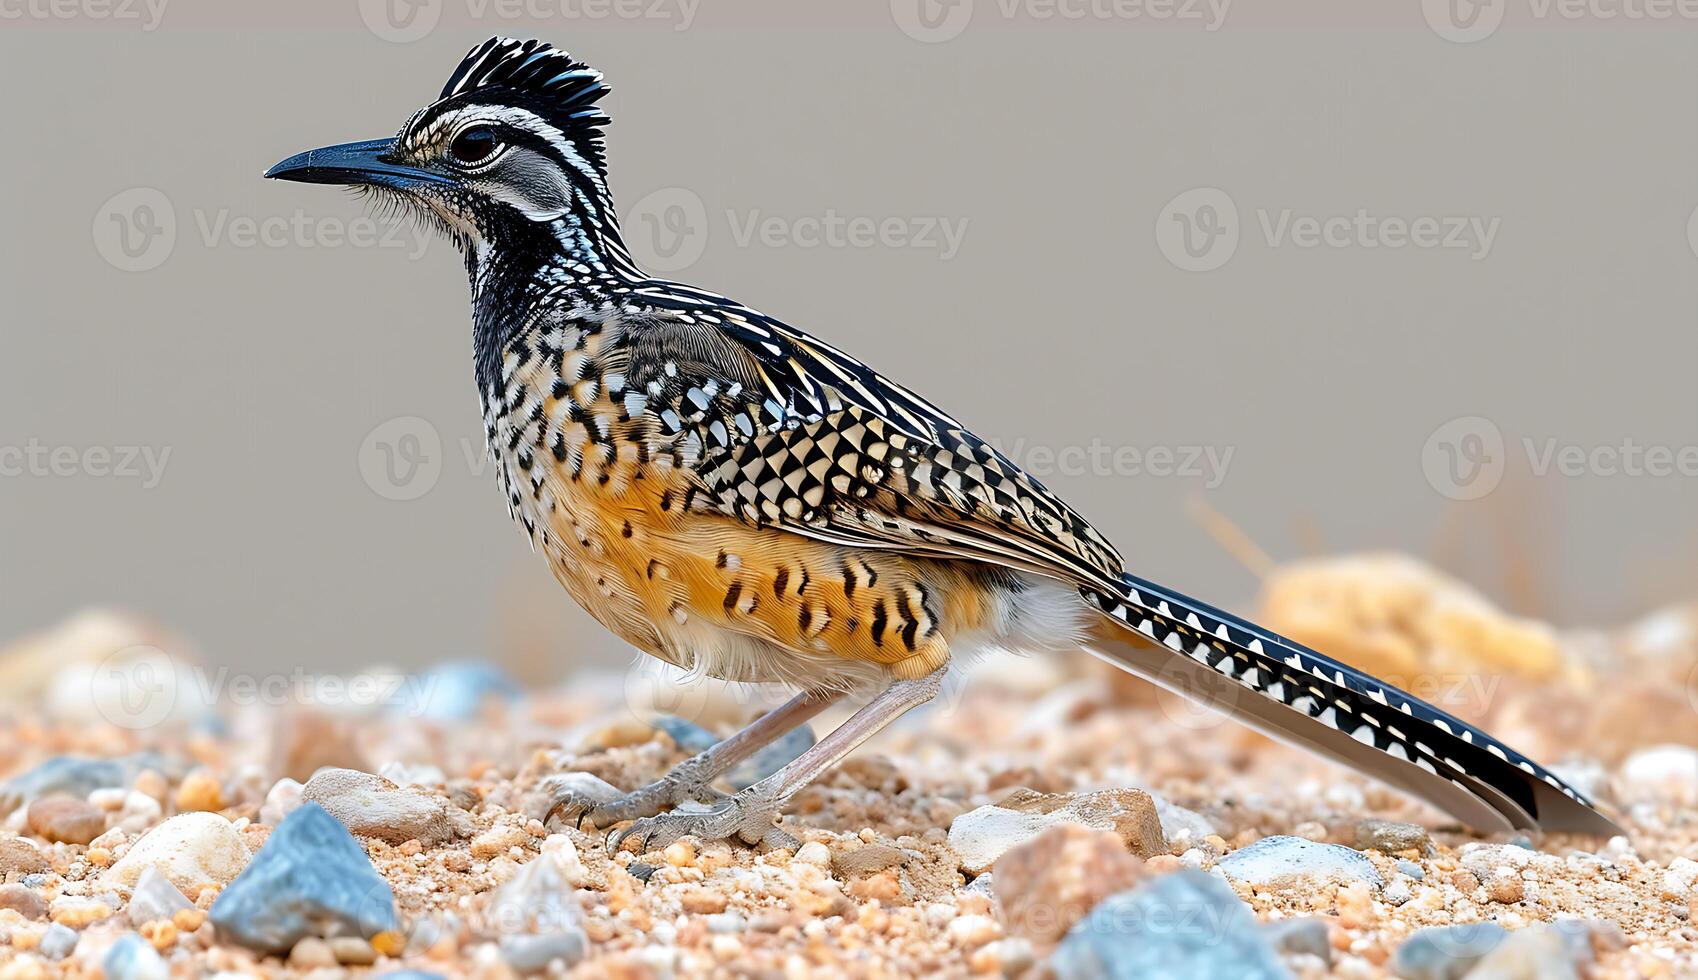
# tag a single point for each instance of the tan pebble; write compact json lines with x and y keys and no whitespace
{"x":160,"y":932}
{"x":1356,"y":906}
{"x":200,"y":791}
{"x":188,"y":920}
{"x":389,"y":942}
{"x":352,"y":951}
{"x":627,"y":731}
{"x":497,"y":840}
{"x":536,"y":829}
{"x":100,"y":857}
{"x":1464,"y":882}
{"x":1163,"y":863}
{"x":26,"y":938}
{"x":727,"y":947}
{"x":1505,"y":889}
{"x":680,"y":854}
{"x":21,"y":857}
{"x":457,"y":861}
{"x":703,"y":901}
{"x":151,"y":783}
{"x":65,"y":819}
{"x":974,"y":904}
{"x":815,"y":853}
{"x":873,"y":918}
{"x":20,"y":902}
{"x":78,"y":912}
{"x":311,"y":953}
{"x":886,"y":886}
{"x":410,"y":847}
{"x":23,"y":968}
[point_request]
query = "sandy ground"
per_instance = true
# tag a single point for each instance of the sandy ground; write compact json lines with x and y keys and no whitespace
{"x":878,"y":889}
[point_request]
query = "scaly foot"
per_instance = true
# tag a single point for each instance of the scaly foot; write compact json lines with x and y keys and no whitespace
{"x":688,"y":782}
{"x":750,"y":816}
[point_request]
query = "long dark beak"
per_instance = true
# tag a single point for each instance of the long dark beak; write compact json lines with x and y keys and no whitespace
{"x":366,"y":162}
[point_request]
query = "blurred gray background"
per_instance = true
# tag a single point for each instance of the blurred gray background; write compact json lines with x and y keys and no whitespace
{"x":1097,"y":232}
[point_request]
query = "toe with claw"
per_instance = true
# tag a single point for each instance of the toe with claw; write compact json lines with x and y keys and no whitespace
{"x":688,"y":783}
{"x":748,"y":816}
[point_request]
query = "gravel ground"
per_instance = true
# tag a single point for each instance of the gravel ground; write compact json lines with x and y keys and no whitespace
{"x":971,"y":838}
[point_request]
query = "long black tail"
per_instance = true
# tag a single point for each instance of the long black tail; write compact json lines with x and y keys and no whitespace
{"x":1297,"y":695}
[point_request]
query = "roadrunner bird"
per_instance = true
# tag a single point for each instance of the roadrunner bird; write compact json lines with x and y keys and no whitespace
{"x":736,"y":497}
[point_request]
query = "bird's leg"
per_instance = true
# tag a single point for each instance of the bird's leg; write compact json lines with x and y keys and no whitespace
{"x":692,"y":779}
{"x":751,"y":814}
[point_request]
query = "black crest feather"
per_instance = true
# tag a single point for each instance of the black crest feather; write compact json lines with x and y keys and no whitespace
{"x":538,"y":76}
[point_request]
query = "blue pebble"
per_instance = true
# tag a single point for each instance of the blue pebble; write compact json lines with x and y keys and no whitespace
{"x":1183,"y":925}
{"x":1446,"y":952}
{"x":312,"y":878}
{"x":409,"y":975}
{"x":1411,"y":869}
{"x":456,"y":691}
{"x":771,"y":758}
{"x":688,"y":735}
{"x":133,"y":958}
{"x":74,"y":776}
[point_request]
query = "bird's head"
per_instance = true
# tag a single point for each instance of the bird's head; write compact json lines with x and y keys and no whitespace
{"x":508,"y":157}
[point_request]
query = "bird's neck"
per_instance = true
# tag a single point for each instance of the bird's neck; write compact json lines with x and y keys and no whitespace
{"x":576,"y":261}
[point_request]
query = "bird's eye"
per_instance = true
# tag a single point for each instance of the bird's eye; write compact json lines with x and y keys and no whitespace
{"x":474,"y":146}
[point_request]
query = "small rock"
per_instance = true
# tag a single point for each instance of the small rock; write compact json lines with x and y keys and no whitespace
{"x":1177,"y":927}
{"x":981,"y":836}
{"x":409,"y":975}
{"x":771,"y":757}
{"x":372,"y":806}
{"x":58,"y":941}
{"x":1535,"y":953}
{"x":1505,"y":889}
{"x":20,"y":857}
{"x":200,"y":791}
{"x":1178,"y":823}
{"x":192,"y":850}
{"x":65,"y":819}
{"x":23,"y":900}
{"x":1389,"y":837}
{"x":74,"y":776}
{"x":1662,"y":772}
{"x":457,"y":691}
{"x":78,"y":911}
{"x":280,"y":801}
{"x":814,"y":853}
{"x":404,"y":774}
{"x":311,"y":953}
{"x":853,"y":862}
{"x":352,"y":951}
{"x":1308,"y":936}
{"x":533,"y":954}
{"x":1281,"y":861}
{"x":1411,"y":869}
{"x":1056,"y":878}
{"x":537,"y":919}
{"x":498,"y":840}
{"x":686,"y":734}
{"x":1398,"y":893}
{"x":155,"y":898}
{"x":1446,"y":952}
{"x":133,"y":958}
{"x":310,"y":879}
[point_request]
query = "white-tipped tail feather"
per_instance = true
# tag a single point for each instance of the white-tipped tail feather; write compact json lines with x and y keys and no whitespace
{"x":1299,"y":696}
